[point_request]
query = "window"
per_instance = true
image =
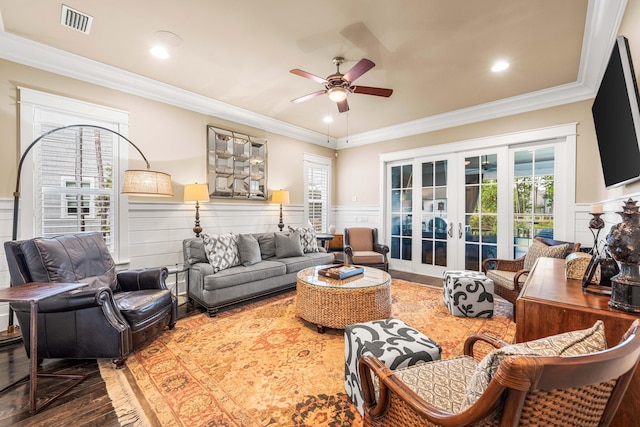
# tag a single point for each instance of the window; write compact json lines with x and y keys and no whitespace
{"x":69,"y":178}
{"x":76,"y":202}
{"x":317,"y":184}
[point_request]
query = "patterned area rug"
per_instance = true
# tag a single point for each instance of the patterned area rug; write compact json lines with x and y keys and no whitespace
{"x":259,"y":365}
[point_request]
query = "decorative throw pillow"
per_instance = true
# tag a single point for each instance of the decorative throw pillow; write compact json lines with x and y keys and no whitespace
{"x":308,"y":239}
{"x":249,"y":250}
{"x":539,"y":249}
{"x":288,"y":245}
{"x":267,"y":242}
{"x":567,"y":344}
{"x":222,"y":250}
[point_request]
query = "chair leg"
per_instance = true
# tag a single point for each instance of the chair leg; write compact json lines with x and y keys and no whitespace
{"x":119,"y":362}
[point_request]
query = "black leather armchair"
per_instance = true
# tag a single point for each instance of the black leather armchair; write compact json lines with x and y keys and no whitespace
{"x":113,"y":315}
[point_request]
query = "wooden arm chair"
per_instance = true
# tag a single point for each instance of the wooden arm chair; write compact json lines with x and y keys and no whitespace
{"x":573,"y":389}
{"x":361,"y":247}
{"x":508,"y":275}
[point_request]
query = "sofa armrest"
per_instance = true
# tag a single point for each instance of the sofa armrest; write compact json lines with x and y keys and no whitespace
{"x":512,"y":265}
{"x":147,"y":278}
{"x":383,"y":249}
{"x":87,"y":297}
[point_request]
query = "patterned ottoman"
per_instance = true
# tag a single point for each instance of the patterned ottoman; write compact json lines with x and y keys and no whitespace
{"x":392,"y":341}
{"x":468,"y":293}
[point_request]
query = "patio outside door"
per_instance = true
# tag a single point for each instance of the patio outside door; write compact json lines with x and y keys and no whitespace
{"x":444,"y":212}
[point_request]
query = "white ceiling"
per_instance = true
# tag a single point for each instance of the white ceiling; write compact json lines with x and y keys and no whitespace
{"x":436,"y":55}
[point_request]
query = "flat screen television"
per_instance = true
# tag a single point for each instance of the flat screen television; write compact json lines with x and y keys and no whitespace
{"x":617,"y":118}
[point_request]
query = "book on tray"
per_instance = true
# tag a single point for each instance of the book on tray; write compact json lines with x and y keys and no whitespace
{"x":341,"y":271}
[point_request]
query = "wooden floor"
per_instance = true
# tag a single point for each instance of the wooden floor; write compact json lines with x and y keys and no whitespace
{"x":88,"y":403}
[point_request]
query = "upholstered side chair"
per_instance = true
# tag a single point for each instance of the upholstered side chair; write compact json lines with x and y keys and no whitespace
{"x":361,"y":247}
{"x":115,"y":314}
{"x":569,"y":379}
{"x":509,"y":275}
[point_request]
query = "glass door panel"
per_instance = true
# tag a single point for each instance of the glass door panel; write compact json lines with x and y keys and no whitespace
{"x":434,"y":213}
{"x":401,"y":212}
{"x":481,"y":209}
{"x":533,"y":196}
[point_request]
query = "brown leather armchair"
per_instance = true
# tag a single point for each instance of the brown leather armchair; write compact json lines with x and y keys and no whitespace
{"x":112,"y":316}
{"x":526,"y":389}
{"x":508,"y":275}
{"x":361,"y":247}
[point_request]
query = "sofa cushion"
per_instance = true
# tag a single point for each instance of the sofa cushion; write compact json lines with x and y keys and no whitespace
{"x":505,"y":278}
{"x":367,"y":257}
{"x":308,"y":239}
{"x":249,"y":250}
{"x":288,"y":245}
{"x":295,"y":264}
{"x":240,"y":275}
{"x":566,"y":344}
{"x":221,"y":250}
{"x":441,"y":383}
{"x":539,"y":249}
{"x":70,"y":258}
{"x":267,"y":242}
{"x":194,"y":251}
{"x":139,"y":306}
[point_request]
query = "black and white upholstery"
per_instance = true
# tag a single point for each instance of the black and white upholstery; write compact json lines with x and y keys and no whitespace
{"x":395,"y":343}
{"x":468,"y":294}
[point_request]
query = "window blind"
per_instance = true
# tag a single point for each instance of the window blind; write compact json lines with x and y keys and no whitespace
{"x":74,"y":182}
{"x":317,"y":195}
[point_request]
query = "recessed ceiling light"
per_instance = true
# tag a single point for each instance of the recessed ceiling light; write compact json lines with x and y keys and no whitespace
{"x":159,"y":52}
{"x":164,"y":40}
{"x":327,"y":119}
{"x":500,"y":66}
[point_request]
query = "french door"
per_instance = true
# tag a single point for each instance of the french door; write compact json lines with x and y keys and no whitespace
{"x":453,"y":210}
{"x":443,"y":211}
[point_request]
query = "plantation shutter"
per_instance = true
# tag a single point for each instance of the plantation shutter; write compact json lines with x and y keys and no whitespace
{"x":74,"y":182}
{"x":317,"y":185}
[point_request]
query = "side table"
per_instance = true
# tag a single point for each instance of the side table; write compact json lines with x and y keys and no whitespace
{"x":33,"y":293}
{"x":177,"y":269}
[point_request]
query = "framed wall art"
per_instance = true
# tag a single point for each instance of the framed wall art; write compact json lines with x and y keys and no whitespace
{"x":236,"y":165}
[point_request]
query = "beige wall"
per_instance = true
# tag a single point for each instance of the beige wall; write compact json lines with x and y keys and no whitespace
{"x":172,"y":139}
{"x":358,"y":166}
{"x":590,"y":183}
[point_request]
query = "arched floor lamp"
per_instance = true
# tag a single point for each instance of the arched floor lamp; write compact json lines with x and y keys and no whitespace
{"x":136,"y":183}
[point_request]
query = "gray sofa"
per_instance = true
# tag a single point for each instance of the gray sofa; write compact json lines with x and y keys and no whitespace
{"x":238,"y":283}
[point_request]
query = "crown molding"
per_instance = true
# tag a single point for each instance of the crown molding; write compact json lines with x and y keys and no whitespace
{"x":601,"y":26}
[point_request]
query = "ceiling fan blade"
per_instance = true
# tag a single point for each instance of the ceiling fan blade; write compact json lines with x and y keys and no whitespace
{"x":309,"y":96}
{"x":359,"y":69}
{"x":308,"y":76}
{"x":343,"y":106}
{"x":377,"y":91}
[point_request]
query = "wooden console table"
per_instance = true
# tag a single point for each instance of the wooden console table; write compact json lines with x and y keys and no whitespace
{"x":550,"y":304}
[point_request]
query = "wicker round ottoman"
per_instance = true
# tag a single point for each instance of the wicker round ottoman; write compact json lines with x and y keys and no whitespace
{"x":335,"y":303}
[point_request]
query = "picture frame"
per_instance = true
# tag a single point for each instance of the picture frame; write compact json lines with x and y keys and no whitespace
{"x":236,"y":165}
{"x":590,"y":272}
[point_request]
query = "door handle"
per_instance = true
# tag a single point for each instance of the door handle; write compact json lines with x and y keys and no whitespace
{"x":450,"y":231}
{"x":459,"y":230}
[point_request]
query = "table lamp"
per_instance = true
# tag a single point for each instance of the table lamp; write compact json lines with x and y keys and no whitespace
{"x":196,"y":193}
{"x":281,"y":197}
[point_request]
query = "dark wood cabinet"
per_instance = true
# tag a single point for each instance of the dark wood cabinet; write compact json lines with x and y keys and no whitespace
{"x":550,"y":304}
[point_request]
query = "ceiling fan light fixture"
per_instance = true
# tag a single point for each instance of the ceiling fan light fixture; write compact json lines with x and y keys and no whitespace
{"x":337,"y":94}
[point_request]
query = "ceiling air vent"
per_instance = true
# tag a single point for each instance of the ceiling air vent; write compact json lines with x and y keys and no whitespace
{"x":77,"y":20}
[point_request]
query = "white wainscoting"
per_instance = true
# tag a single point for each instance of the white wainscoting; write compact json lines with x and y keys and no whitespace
{"x":157,"y":229}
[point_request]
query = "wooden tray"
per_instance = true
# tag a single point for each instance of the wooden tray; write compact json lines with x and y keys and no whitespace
{"x":341,"y":271}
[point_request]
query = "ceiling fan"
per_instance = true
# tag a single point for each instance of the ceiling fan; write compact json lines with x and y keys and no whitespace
{"x":339,"y":85}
